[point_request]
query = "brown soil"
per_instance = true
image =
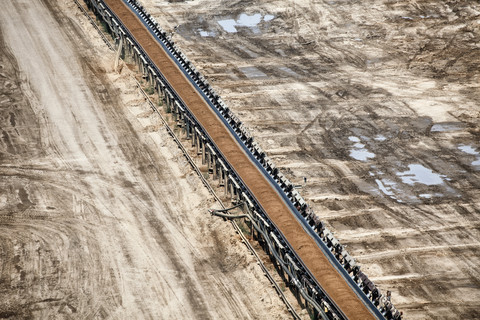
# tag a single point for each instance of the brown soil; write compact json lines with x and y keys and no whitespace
{"x":100,"y":215}
{"x":349,"y":94}
{"x":268,"y":198}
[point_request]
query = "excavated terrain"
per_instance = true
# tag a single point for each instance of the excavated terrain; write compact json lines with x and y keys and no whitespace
{"x":376,"y":103}
{"x":329,"y":278}
{"x":100,"y":214}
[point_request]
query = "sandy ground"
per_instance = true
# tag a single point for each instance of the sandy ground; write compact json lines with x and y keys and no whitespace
{"x":100,"y":215}
{"x":269,"y":199}
{"x":377,"y":104}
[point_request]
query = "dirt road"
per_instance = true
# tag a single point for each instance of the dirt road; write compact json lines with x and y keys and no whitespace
{"x":100,"y":216}
{"x":377,"y":104}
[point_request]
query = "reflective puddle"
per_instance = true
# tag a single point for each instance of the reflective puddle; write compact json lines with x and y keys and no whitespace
{"x":430,"y":195}
{"x":468,"y":149}
{"x":245,"y":20}
{"x":359,"y":152}
{"x":472,"y":151}
{"x":204,"y":33}
{"x":386,"y":186}
{"x":420,"y":174}
{"x":416,"y":173}
{"x":412,"y":183}
{"x":392,"y":190}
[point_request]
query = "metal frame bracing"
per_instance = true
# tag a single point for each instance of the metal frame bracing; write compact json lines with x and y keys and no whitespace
{"x":298,"y":275}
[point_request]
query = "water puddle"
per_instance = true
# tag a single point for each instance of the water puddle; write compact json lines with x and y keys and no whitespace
{"x":447,"y":126}
{"x":404,"y":194}
{"x":205,"y":34}
{"x":417,"y":184}
{"x":268,"y":17}
{"x":391,"y":189}
{"x":420,"y":174}
{"x":468,"y":149}
{"x":253,"y":73}
{"x":386,"y":186}
{"x":411,"y":183}
{"x":380,"y":138}
{"x":359,"y":152}
{"x":245,"y":20}
{"x":228,"y":25}
{"x":472,"y":151}
{"x":430,"y":195}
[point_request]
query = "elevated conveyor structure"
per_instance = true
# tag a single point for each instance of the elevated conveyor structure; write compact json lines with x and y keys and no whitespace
{"x":243,"y":169}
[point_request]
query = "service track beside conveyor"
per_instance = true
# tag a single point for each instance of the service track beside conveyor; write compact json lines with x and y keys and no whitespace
{"x":267,"y":196}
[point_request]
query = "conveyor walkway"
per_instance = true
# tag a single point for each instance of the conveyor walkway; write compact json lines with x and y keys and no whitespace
{"x":267,"y":196}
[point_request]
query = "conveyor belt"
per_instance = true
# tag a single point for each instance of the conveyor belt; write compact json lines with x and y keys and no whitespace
{"x":265,"y":193}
